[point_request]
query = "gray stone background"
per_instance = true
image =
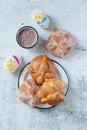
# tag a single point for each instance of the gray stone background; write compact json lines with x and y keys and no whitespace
{"x":69,"y":15}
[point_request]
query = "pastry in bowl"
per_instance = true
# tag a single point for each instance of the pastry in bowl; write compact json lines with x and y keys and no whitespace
{"x":41,"y":68}
{"x":52,"y":91}
{"x":60,"y":43}
{"x":28,"y":92}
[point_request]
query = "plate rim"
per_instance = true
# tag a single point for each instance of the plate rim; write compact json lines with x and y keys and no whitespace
{"x":60,"y":66}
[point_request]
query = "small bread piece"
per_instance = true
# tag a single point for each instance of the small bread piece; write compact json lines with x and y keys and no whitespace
{"x":41,"y":19}
{"x":28,"y":92}
{"x":13,"y":62}
{"x":52,"y":91}
{"x":41,"y":68}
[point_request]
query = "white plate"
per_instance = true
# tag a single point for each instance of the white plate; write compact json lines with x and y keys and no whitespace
{"x":24,"y":74}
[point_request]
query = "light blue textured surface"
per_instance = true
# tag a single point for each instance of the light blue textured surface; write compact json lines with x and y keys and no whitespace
{"x":72,"y":113}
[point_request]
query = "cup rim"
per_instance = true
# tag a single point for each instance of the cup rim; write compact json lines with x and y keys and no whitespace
{"x":22,"y":28}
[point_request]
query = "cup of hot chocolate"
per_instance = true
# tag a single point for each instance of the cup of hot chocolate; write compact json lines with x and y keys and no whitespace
{"x":27,"y":37}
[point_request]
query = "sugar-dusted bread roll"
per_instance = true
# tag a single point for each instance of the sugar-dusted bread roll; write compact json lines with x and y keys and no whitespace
{"x":28,"y":92}
{"x":60,"y":43}
{"x":41,"y":68}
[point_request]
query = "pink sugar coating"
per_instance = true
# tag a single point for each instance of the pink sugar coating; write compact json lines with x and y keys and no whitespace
{"x":60,"y":43}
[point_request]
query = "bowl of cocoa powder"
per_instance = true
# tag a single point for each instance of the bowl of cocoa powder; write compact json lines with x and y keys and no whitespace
{"x":27,"y":37}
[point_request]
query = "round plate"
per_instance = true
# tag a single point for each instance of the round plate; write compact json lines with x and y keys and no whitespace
{"x":24,"y":74}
